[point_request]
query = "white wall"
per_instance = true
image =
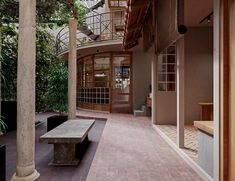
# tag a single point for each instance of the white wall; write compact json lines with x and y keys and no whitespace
{"x":198,"y":70}
{"x":141,"y":76}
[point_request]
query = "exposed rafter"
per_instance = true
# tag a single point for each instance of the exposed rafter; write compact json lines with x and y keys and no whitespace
{"x":135,"y":17}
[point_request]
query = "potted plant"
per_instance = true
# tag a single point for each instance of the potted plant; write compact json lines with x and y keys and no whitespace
{"x":56,"y":95}
{"x":3,"y":125}
{"x":3,"y":128}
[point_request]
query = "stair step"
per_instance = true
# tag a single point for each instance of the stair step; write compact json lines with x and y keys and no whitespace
{"x":139,"y":113}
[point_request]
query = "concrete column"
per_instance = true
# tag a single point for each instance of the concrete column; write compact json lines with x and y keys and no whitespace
{"x":25,"y":166}
{"x":72,"y":81}
{"x":154,"y":87}
{"x":180,"y":93}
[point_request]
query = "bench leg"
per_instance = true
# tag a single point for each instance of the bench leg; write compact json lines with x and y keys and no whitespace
{"x":64,"y":155}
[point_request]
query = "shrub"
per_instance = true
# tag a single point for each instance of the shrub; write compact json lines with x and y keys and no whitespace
{"x":56,"y":96}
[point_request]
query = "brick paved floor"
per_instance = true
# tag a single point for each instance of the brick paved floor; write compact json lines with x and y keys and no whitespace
{"x":190,"y":141}
{"x":130,"y":150}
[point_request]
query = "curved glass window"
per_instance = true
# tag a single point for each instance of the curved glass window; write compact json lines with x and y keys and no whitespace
{"x":104,"y":82}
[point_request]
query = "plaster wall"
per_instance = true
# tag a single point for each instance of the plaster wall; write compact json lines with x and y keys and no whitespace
{"x":198,"y":70}
{"x":166,"y":108}
{"x":141,"y":76}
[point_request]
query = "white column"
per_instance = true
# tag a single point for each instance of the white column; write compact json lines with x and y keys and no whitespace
{"x":218,"y":103}
{"x":25,"y":166}
{"x":180,"y":93}
{"x":72,"y":64}
{"x":154,"y":87}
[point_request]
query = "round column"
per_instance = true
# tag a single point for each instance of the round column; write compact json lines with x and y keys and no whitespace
{"x":25,"y":166}
{"x":72,"y":64}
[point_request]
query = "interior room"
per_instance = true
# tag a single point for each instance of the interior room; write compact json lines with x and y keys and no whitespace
{"x":193,"y":85}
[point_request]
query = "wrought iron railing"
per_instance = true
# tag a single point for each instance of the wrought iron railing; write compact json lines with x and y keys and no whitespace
{"x":94,"y":28}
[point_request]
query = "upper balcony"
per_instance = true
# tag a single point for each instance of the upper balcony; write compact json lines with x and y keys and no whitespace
{"x":117,"y":4}
{"x":95,"y":28}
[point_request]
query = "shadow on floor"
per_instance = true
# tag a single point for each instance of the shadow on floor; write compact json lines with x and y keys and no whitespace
{"x":44,"y":154}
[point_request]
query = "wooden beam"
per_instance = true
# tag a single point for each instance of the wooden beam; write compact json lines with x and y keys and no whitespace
{"x":224,"y":79}
{"x":140,"y":4}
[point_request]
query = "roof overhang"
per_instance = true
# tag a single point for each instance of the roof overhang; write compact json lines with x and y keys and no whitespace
{"x":135,"y":17}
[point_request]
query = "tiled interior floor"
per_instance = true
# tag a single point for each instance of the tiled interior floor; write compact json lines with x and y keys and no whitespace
{"x":190,"y":141}
{"x":131,"y":150}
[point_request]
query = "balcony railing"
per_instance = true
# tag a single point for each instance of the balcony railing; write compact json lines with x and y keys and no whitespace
{"x":95,"y":28}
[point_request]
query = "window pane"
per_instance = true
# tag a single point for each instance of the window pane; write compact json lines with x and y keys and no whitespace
{"x":161,"y":68}
{"x":101,"y":70}
{"x":162,"y":59}
{"x":171,"y":68}
{"x":162,"y":87}
{"x":162,"y":77}
{"x":171,"y":87}
{"x":170,"y":58}
{"x":167,"y":69}
{"x":170,"y":77}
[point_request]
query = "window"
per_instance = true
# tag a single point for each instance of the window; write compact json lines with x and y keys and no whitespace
{"x":167,"y":69}
{"x":94,"y":79}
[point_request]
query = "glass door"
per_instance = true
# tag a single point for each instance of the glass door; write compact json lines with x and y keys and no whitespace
{"x":121,"y":84}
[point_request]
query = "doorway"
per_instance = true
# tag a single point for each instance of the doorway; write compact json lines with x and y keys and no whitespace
{"x":121,"y":84}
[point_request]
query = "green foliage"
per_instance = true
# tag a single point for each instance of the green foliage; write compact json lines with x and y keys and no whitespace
{"x":56,"y":94}
{"x":3,"y":125}
{"x":8,"y":59}
{"x":50,"y":14}
{"x":45,"y":57}
{"x":53,"y":12}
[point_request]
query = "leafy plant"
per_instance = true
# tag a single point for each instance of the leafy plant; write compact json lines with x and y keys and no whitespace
{"x":46,"y":57}
{"x":53,"y":12}
{"x":3,"y":125}
{"x":50,"y":14}
{"x":57,"y":88}
{"x":8,"y":59}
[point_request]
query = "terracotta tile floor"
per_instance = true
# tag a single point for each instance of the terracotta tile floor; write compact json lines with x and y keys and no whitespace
{"x":191,"y":140}
{"x":130,"y":150}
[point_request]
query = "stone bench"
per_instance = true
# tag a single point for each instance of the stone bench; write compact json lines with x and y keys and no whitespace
{"x":65,"y":138}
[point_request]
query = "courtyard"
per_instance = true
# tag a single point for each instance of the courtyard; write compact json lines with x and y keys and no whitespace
{"x":117,"y":151}
{"x":126,"y":90}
